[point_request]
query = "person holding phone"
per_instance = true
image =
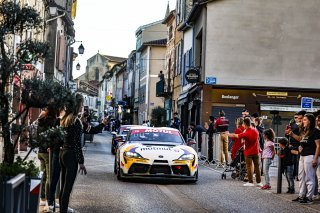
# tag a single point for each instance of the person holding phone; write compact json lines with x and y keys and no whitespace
{"x":71,"y":156}
{"x":310,"y":143}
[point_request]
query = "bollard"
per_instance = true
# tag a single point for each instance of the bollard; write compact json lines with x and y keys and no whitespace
{"x":279,"y":181}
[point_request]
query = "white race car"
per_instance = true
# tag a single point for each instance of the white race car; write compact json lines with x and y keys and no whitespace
{"x":156,"y":153}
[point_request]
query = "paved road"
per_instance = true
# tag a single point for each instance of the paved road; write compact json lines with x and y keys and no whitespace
{"x":100,"y":191}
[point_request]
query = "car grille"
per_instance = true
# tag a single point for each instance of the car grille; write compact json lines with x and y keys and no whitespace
{"x":160,"y":161}
{"x":139,"y":168}
{"x":160,"y":169}
{"x":180,"y":170}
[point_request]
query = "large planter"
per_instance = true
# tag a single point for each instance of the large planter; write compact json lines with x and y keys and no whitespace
{"x":32,"y":194}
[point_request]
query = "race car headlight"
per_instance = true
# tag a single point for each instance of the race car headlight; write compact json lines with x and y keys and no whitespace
{"x":187,"y":157}
{"x":132,"y":155}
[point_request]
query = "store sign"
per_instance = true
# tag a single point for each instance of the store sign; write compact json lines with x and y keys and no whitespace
{"x":233,"y":97}
{"x":193,"y":76}
{"x":277,"y":93}
{"x":306,"y":103}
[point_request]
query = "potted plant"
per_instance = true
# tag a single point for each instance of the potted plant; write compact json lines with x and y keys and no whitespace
{"x":8,"y":171}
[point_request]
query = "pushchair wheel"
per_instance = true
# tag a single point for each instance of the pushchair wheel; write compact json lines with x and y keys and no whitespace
{"x":233,"y":175}
{"x":223,"y":176}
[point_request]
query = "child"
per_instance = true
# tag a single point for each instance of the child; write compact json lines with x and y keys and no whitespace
{"x":287,"y":162}
{"x":267,"y":155}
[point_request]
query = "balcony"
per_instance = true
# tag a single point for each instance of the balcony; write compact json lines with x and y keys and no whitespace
{"x":162,"y":89}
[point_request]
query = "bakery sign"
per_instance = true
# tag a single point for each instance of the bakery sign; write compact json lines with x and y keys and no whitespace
{"x":233,"y":97}
{"x":193,"y":76}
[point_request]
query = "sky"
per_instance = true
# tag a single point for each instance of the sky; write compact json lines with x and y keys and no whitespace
{"x":109,"y":26}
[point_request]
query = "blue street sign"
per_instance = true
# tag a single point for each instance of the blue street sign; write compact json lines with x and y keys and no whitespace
{"x":211,"y":80}
{"x":306,"y":103}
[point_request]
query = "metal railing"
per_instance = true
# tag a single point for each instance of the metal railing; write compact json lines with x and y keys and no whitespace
{"x":15,"y":194}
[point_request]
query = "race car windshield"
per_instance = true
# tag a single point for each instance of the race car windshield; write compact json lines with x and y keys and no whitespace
{"x":155,"y":135}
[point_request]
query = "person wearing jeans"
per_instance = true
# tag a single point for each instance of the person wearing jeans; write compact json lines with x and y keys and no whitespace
{"x":310,"y":147}
{"x":251,"y":151}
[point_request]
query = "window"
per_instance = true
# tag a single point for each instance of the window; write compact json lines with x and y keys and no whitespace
{"x":187,"y":64}
{"x":97,"y":74}
{"x":170,"y":33}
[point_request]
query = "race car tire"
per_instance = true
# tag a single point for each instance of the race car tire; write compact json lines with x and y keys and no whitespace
{"x":115,"y":167}
{"x":113,"y":151}
{"x":196,"y":178}
{"x":119,"y":172}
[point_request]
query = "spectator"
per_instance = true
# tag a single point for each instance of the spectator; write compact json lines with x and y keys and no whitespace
{"x":310,"y":143}
{"x":236,"y":141}
{"x":176,"y":121}
{"x":210,"y":131}
{"x":260,"y":129}
{"x":222,"y":125}
{"x":148,"y":123}
{"x":296,"y":128}
{"x":71,"y":154}
{"x":46,"y":120}
{"x":251,"y":151}
{"x":193,"y":130}
{"x":144,"y":123}
{"x":268,"y":155}
{"x":245,"y":113}
{"x":286,"y":153}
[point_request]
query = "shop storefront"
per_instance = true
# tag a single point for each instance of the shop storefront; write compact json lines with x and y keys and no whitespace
{"x":276,"y":108}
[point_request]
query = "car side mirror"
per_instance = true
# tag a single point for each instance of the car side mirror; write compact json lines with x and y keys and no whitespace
{"x":191,"y":141}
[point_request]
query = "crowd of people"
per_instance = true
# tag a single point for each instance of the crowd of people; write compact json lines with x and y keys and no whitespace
{"x":64,"y":158}
{"x":299,"y":150}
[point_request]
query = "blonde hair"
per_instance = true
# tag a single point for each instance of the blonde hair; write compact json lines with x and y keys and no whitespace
{"x":71,"y":116}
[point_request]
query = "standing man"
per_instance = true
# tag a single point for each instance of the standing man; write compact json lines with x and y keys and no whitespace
{"x":295,"y":127}
{"x":222,"y":125}
{"x":245,"y":113}
{"x":251,"y":151}
{"x":193,"y":130}
{"x":176,"y":121}
{"x":210,"y":131}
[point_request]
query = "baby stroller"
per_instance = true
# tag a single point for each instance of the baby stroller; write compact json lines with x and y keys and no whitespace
{"x":237,"y":167}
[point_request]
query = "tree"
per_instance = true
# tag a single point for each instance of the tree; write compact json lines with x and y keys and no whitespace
{"x":157,"y":117}
{"x":14,"y":20}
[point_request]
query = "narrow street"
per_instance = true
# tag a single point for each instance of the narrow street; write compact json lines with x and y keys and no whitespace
{"x":100,"y":191}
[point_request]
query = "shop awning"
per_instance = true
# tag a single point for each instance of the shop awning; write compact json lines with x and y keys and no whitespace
{"x":183,"y":98}
{"x":285,"y":108}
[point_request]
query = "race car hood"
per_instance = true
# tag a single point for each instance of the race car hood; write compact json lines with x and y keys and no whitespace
{"x":160,"y":152}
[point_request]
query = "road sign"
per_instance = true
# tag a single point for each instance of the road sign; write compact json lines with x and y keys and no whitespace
{"x":211,"y":80}
{"x":306,"y":103}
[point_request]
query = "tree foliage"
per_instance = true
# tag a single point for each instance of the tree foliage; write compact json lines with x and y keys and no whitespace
{"x":157,"y":117}
{"x":14,"y":21}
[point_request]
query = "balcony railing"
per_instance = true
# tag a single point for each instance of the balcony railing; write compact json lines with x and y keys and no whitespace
{"x":163,"y":89}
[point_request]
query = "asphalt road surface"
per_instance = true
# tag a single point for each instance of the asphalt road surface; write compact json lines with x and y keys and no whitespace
{"x":100,"y":191}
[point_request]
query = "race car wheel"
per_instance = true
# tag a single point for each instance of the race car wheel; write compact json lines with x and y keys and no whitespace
{"x":115,"y":166}
{"x":196,"y":178}
{"x":119,"y":172}
{"x":113,"y":151}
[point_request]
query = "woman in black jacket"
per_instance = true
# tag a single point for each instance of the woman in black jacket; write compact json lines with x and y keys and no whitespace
{"x":71,"y":155}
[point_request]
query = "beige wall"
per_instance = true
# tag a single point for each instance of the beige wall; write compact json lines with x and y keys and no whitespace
{"x":264,"y":43}
{"x":154,"y":32}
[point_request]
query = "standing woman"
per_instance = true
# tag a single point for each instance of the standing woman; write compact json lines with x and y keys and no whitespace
{"x":71,"y":154}
{"x":310,"y":143}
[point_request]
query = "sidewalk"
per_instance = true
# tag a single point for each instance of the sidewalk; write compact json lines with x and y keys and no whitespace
{"x":273,"y":181}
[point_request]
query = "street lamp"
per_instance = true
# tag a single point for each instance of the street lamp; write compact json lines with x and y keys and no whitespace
{"x":81,"y":49}
{"x":53,"y":11}
{"x":78,"y":66}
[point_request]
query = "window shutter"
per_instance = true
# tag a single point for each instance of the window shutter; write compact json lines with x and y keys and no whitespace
{"x":62,"y":53}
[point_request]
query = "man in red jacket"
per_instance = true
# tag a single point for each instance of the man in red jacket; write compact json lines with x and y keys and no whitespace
{"x":251,"y":151}
{"x":222,"y":125}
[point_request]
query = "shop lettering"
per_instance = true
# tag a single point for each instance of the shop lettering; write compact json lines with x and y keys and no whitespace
{"x":234,"y":97}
